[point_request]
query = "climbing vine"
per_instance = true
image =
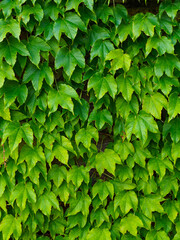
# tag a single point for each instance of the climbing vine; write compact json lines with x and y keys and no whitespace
{"x":89,"y":121}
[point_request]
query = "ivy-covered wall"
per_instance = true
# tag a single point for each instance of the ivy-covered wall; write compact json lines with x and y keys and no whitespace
{"x":89,"y":120}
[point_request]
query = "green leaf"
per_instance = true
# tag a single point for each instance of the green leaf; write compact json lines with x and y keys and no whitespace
{"x":6,"y":71}
{"x":15,"y":132}
{"x":101,"y":48}
{"x":99,"y":234}
{"x":96,"y":33}
{"x":85,"y":135}
{"x":4,"y":112}
{"x":166,"y":64}
{"x":170,"y":209}
{"x":151,"y":204}
{"x":170,"y":8}
{"x":130,"y":224}
{"x":100,"y":117}
{"x":145,"y":23}
{"x":78,"y":175}
{"x":80,"y":204}
{"x":58,"y":174}
{"x":81,"y":109}
{"x":168,"y":184}
{"x":7,"y":6}
{"x":119,"y":13}
{"x":9,"y":26}
{"x":69,"y":59}
{"x":119,"y":60}
{"x":62,"y":97}
{"x":21,"y":193}
{"x":157,"y":235}
{"x":173,"y":128}
{"x":162,"y":45}
{"x":154,"y":104}
{"x":125,"y":87}
{"x":159,"y":165}
{"x":61,"y":154}
{"x":10,"y":225}
{"x":36,"y":10}
{"x":139,"y":125}
{"x":31,"y":156}
{"x":124,"y":148}
{"x":126,"y":201}
{"x":103,"y":189}
{"x":34,"y":46}
{"x":100,"y":216}
{"x":68,"y":25}
{"x":13,"y":90}
{"x":10,"y":48}
{"x":102,"y":85}
{"x":107,"y":160}
{"x":46,"y":202}
{"x":175,"y":151}
{"x":173,"y":105}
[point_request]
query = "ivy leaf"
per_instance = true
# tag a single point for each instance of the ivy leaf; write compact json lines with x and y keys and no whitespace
{"x":6,"y":71}
{"x":101,"y":48}
{"x":31,"y":156}
{"x":124,"y":148}
{"x":107,"y":160}
{"x":58,"y":174}
{"x":7,"y":7}
{"x":173,"y":128}
{"x":36,"y":10}
{"x":171,"y":209}
{"x":119,"y":60}
{"x":81,"y":110}
{"x":68,"y":25}
{"x":34,"y":46}
{"x":9,"y":26}
{"x":130,"y":224}
{"x":4,"y":112}
{"x":99,"y":234}
{"x":154,"y":103}
{"x":139,"y":125}
{"x":127,"y":201}
{"x":21,"y":193}
{"x":11,"y":225}
{"x":61,"y":154}
{"x":102,"y":85}
{"x":170,"y":8}
{"x":46,"y":202}
{"x":145,"y":23}
{"x":78,"y":175}
{"x":10,"y":48}
{"x":125,"y":87}
{"x":100,"y":117}
{"x":37,"y":75}
{"x":62,"y":97}
{"x":15,"y":132}
{"x":68,"y":59}
{"x":173,"y":105}
{"x":13,"y":90}
{"x":89,"y":4}
{"x":175,"y":151}
{"x":166,"y":64}
{"x":168,"y":184}
{"x":157,"y":235}
{"x":100,"y":216}
{"x":96,"y":33}
{"x":85,"y":135}
{"x":73,"y":5}
{"x":80,"y":204}
{"x":151,"y":204}
{"x":119,"y":13}
{"x":159,"y":165}
{"x":103,"y":189}
{"x":162,"y":45}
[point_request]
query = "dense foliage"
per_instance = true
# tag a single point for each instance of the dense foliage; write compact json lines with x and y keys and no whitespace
{"x":89,"y":121}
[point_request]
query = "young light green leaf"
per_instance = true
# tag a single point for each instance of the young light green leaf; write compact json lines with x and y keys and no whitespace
{"x":119,"y":60}
{"x":102,"y":85}
{"x":10,"y":225}
{"x":58,"y":174}
{"x":130,"y":224}
{"x":107,"y":160}
{"x":68,"y":59}
{"x":9,"y":26}
{"x":173,"y":128}
{"x":173,"y":105}
{"x":154,"y":103}
{"x":125,"y":87}
{"x":124,"y":148}
{"x":157,"y":235}
{"x":85,"y":135}
{"x":6,"y":71}
{"x":99,"y":234}
{"x":77,"y":175}
{"x":103,"y":189}
{"x":99,"y":216}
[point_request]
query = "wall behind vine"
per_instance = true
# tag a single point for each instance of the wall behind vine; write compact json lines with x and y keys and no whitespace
{"x":89,"y":121}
